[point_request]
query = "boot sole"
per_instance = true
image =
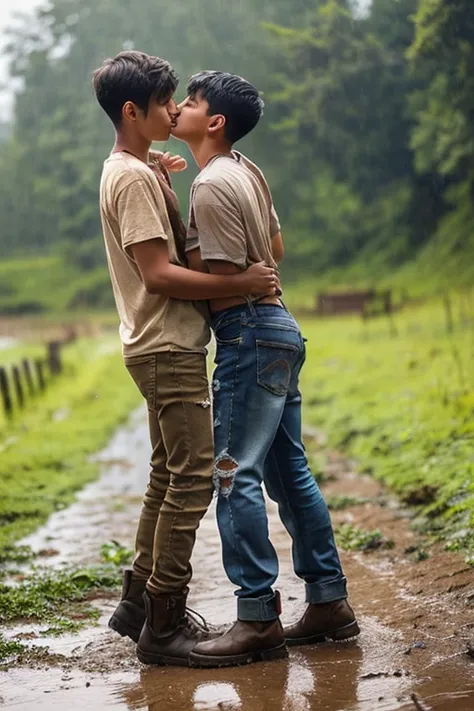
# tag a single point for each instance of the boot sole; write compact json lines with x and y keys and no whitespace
{"x":205,"y":661}
{"x":160,"y":660}
{"x":124,"y":629}
{"x":342,"y":633}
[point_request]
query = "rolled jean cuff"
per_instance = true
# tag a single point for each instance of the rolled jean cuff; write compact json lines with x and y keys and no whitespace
{"x":329,"y":591}
{"x":257,"y":609}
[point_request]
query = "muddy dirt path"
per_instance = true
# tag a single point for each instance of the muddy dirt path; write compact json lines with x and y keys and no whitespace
{"x":417,"y":618}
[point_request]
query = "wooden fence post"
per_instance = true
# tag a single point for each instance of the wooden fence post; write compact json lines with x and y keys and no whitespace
{"x":5,"y":392}
{"x":20,"y":395}
{"x":54,"y":357}
{"x":28,"y":377}
{"x":40,"y":374}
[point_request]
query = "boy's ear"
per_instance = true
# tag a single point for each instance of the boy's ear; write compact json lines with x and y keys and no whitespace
{"x":217,"y":122}
{"x":129,"y":111}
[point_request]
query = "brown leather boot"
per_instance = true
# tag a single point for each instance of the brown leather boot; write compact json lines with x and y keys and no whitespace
{"x":169,"y":633}
{"x":129,"y":616}
{"x":246,"y":642}
{"x":332,"y":620}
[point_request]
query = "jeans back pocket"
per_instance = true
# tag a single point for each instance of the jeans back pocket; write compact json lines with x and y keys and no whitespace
{"x":275,"y":364}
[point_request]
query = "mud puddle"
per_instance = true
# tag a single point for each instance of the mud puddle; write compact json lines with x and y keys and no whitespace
{"x":417,"y":618}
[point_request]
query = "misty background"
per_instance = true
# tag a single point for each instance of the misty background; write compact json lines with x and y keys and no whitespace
{"x":367,"y":139}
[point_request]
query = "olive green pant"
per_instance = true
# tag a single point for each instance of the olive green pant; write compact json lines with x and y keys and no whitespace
{"x":176,"y":390}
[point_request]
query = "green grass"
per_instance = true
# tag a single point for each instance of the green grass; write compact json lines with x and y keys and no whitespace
{"x":9,"y":648}
{"x":115,"y":553}
{"x":59,"y":598}
{"x":48,"y":285}
{"x":340,"y":503}
{"x":14,"y":355}
{"x":44,"y":452}
{"x":403,"y":407}
{"x":48,"y":595}
{"x":352,"y":538}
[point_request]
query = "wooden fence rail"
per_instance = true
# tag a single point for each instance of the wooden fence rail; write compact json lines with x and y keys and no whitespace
{"x":368,"y":304}
{"x":22,"y":381}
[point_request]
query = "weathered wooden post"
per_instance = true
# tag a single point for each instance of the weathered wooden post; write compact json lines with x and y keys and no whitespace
{"x":5,"y":392}
{"x":20,"y":395}
{"x":40,"y":374}
{"x":54,"y":357}
{"x":28,"y":377}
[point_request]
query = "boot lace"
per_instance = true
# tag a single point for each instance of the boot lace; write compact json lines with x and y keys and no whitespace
{"x":195,"y":621}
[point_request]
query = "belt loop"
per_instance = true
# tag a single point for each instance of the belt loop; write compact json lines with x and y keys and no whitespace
{"x":251,"y":308}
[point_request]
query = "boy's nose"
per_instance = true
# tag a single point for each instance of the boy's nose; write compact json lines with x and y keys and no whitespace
{"x":172,"y":107}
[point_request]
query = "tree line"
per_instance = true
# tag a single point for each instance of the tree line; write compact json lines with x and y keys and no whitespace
{"x":367,"y":138}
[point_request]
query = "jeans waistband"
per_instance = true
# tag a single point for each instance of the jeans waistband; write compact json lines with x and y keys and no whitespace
{"x":250,"y":309}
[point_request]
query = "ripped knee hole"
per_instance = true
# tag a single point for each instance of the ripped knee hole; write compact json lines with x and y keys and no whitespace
{"x":225,"y":467}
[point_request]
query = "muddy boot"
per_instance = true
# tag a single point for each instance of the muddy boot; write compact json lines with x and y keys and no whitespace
{"x":321,"y":622}
{"x":129,"y":617}
{"x":246,"y":642}
{"x":170,"y":633}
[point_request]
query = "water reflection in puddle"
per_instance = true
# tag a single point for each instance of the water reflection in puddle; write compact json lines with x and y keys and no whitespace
{"x":326,"y":678}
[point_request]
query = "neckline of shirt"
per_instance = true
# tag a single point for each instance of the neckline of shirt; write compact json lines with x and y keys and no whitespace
{"x":233,"y":155}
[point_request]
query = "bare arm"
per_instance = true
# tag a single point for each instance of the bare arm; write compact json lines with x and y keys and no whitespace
{"x":278,"y":250}
{"x":220,"y":267}
{"x":196,"y":262}
{"x":161,"y":277}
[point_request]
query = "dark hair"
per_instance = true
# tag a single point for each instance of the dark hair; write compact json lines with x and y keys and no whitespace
{"x":233,"y":97}
{"x":133,"y":76}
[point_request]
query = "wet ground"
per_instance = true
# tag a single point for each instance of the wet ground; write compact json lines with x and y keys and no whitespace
{"x":417,"y":618}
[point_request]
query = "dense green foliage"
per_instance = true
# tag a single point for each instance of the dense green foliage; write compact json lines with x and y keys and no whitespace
{"x":367,"y":139}
{"x":403,"y":407}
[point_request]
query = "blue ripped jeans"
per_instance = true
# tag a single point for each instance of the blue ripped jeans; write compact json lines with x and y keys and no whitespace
{"x":257,"y":431}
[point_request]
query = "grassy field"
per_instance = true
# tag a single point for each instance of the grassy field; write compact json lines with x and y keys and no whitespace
{"x":403,"y":407}
{"x":44,"y":452}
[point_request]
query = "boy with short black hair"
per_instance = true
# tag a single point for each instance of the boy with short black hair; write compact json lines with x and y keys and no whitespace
{"x":257,"y":427}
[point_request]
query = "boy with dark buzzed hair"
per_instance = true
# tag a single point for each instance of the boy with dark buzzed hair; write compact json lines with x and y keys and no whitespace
{"x":164,"y":339}
{"x":257,"y":426}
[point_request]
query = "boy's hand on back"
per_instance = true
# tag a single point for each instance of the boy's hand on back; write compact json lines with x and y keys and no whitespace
{"x":261,"y":280}
{"x":173,"y":163}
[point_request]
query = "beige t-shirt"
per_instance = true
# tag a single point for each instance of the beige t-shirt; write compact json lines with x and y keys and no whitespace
{"x":133,"y":210}
{"x":232,"y":217}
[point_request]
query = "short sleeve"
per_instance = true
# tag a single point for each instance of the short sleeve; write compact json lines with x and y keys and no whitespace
{"x":275,"y":227}
{"x":138,"y":214}
{"x":219,"y":225}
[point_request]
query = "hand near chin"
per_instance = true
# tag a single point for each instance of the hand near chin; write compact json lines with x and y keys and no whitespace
{"x":172,"y":163}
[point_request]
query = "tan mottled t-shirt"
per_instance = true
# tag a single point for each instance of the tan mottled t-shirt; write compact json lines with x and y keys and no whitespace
{"x":232,"y":217}
{"x":133,"y":210}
